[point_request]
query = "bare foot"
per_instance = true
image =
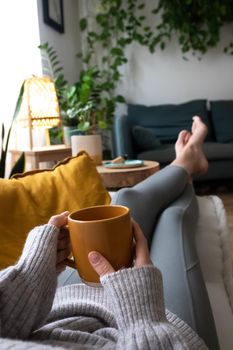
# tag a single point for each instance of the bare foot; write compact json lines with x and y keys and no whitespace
{"x":182,"y":139}
{"x":189,"y":152}
{"x":199,"y":131}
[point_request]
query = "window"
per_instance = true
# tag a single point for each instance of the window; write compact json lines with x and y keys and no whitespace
{"x":20,"y":57}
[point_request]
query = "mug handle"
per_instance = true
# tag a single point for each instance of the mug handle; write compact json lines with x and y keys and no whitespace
{"x":70,"y":263}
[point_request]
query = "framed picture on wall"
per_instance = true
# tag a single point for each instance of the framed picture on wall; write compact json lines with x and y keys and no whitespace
{"x":53,"y":14}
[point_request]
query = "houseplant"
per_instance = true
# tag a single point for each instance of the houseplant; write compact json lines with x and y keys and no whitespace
{"x":65,"y":93}
{"x":94,"y":112}
{"x":85,"y":105}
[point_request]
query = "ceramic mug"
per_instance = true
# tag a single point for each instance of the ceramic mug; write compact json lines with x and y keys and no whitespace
{"x":106,"y":229}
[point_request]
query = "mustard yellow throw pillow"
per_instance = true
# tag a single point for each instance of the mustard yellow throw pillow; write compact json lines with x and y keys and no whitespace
{"x":31,"y":198}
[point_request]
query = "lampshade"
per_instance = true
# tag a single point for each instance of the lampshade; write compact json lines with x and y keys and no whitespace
{"x":39,"y":108}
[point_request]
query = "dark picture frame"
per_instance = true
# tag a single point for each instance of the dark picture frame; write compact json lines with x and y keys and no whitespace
{"x":53,"y":14}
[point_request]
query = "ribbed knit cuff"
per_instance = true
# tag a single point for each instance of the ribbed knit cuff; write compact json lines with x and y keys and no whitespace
{"x":32,"y":281}
{"x":40,"y":250}
{"x":136,"y":294}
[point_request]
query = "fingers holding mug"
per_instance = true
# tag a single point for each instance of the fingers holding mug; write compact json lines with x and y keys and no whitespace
{"x":142,"y":254}
{"x":100,"y":264}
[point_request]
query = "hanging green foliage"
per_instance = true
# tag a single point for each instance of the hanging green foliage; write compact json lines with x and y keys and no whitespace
{"x":117,"y":24}
{"x":196,"y":23}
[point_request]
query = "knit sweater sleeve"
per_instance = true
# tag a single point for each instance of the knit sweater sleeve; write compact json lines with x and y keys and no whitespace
{"x":27,"y":289}
{"x":136,"y":296}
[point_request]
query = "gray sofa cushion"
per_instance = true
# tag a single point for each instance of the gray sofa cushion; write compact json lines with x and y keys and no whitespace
{"x":222,"y":119}
{"x":167,"y":120}
{"x":164,"y":155}
{"x":213,"y":151}
{"x":218,"y":151}
{"x":145,"y":138}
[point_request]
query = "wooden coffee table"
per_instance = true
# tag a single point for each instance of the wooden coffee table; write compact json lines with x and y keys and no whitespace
{"x":126,"y":177}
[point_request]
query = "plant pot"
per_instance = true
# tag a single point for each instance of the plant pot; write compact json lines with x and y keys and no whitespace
{"x":67,"y":134}
{"x":92,"y":144}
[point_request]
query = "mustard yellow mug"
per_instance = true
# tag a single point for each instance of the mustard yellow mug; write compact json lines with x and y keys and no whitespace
{"x":104,"y":228}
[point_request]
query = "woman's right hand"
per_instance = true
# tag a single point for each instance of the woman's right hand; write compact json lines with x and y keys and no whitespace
{"x":63,"y":241}
{"x":142,"y":255}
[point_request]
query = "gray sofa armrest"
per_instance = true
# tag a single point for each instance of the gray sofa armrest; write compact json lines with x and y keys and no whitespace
{"x":122,"y":137}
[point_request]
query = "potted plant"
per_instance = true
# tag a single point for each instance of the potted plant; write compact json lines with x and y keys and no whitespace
{"x":93,"y":115}
{"x":66,"y":93}
{"x":68,"y":102}
{"x":86,"y":106}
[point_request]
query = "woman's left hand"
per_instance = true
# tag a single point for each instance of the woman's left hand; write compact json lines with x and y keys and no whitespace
{"x":63,"y":242}
{"x":142,"y":254}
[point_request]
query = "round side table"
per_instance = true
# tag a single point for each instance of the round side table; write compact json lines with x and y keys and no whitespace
{"x":127,"y":177}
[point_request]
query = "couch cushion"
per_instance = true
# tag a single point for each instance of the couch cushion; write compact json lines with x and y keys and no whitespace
{"x":164,"y":155}
{"x":218,"y":151}
{"x":169,"y":119}
{"x":222,"y":120}
{"x":145,"y":138}
{"x":31,"y":198}
{"x":214,"y":151}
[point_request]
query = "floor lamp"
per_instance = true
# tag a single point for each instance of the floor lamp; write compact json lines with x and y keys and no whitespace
{"x":39,"y":108}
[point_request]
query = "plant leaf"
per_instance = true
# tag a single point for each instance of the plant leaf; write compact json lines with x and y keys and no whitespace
{"x":19,"y":166}
{"x":17,"y":108}
{"x":83,"y":24}
{"x":2,"y":164}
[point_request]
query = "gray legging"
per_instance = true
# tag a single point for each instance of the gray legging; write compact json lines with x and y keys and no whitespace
{"x":165,"y":206}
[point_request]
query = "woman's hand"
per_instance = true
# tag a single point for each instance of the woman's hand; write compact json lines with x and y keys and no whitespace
{"x":63,"y":242}
{"x":142,"y":255}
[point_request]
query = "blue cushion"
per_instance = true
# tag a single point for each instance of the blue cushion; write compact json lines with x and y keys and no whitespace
{"x":222,"y":119}
{"x":145,"y":138}
{"x":169,"y":119}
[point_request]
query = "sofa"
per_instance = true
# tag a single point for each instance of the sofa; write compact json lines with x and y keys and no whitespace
{"x":149,"y":133}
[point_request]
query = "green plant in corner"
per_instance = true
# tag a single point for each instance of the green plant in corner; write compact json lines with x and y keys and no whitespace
{"x":20,"y":164}
{"x":86,"y":104}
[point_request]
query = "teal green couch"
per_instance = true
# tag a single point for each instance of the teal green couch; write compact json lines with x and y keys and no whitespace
{"x":149,"y":133}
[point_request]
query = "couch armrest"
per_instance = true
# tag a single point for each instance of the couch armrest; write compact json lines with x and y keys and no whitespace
{"x":214,"y":251}
{"x":122,"y":137}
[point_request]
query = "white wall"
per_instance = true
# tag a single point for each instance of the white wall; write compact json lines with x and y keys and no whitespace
{"x":165,"y":77}
{"x":66,"y":44}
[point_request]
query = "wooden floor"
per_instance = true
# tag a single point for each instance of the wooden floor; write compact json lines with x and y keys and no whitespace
{"x":224,"y":190}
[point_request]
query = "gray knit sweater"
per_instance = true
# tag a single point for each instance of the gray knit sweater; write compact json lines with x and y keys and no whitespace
{"x":126,"y":313}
